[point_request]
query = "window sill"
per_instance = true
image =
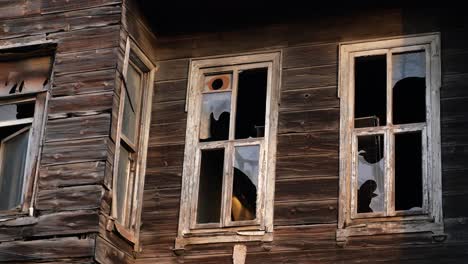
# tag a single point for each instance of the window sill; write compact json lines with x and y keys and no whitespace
{"x":390,"y":227}
{"x":231,"y":237}
{"x":13,"y":214}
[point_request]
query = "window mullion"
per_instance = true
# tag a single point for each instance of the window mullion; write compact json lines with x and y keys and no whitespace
{"x":227,"y":184}
{"x":389,"y":143}
{"x":232,"y":119}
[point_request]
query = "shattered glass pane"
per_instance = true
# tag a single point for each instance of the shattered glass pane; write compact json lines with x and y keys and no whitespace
{"x":371,"y":173}
{"x":14,"y":147}
{"x":17,"y":111}
{"x":132,"y":98}
{"x":408,"y":171}
{"x":244,"y":194}
{"x":251,"y":103}
{"x":214,"y":120}
{"x":218,"y":82}
{"x":210,"y":186}
{"x":370,"y":91}
{"x":122,"y":182}
{"x":26,"y":75}
{"x":409,"y":87}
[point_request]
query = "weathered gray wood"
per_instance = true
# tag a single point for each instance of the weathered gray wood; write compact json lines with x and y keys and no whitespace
{"x":107,"y":253}
{"x":84,"y":173}
{"x":170,"y":91}
{"x":48,"y":6}
{"x":307,"y":166}
{"x":167,"y":134}
{"x":46,"y":249}
{"x":309,"y":99}
{"x":306,"y":189}
{"x":80,"y":104}
{"x":308,"y":212}
{"x":70,"y":198}
{"x":85,"y":61}
{"x":19,"y":8}
{"x":169,"y":112}
{"x":320,"y":142}
{"x":309,"y":121}
{"x":320,"y":76}
{"x":78,"y":128}
{"x":172,"y":70}
{"x":310,"y":55}
{"x":74,"y":151}
{"x":85,"y":82}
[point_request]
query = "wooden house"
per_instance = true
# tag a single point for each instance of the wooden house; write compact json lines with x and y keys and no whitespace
{"x":138,"y":131}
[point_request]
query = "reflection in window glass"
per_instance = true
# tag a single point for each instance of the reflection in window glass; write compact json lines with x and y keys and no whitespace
{"x":210,"y":186}
{"x":409,"y":87}
{"x":131,"y":103}
{"x":214,"y":120}
{"x":13,"y":150}
{"x":408,"y":171}
{"x":251,"y":103}
{"x":122,"y":182}
{"x":370,"y":90}
{"x":10,"y":112}
{"x":244,"y":194}
{"x":371,"y":173}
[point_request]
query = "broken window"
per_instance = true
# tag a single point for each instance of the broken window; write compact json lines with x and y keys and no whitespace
{"x":230,"y":129}
{"x":390,"y":148}
{"x":24,"y":79}
{"x":131,"y":141}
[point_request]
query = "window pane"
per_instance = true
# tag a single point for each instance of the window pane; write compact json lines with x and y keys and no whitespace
{"x":214,"y":120}
{"x":409,"y":87}
{"x":251,"y":103}
{"x":22,"y":76}
{"x":132,"y":98}
{"x":371,"y":174}
{"x":10,"y":112}
{"x":408,"y":171}
{"x":244,"y":194}
{"x":122,"y":182}
{"x":210,"y":186}
{"x":370,"y":108}
{"x":14,"y":149}
{"x":219,"y":82}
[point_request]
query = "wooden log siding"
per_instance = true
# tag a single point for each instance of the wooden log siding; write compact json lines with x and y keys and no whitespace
{"x":71,"y":173}
{"x":306,"y":198}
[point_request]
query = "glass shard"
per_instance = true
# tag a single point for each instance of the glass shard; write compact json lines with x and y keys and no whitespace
{"x":408,"y":171}
{"x":210,"y":186}
{"x":251,"y":103}
{"x":245,"y":185}
{"x":371,"y":173}
{"x":17,"y":111}
{"x":219,"y":82}
{"x":14,"y":148}
{"x":215,"y":115}
{"x":409,"y":87}
{"x":370,"y":79}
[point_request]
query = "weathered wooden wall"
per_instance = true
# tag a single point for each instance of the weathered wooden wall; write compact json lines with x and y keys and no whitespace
{"x":70,"y":185}
{"x":110,"y":246}
{"x":307,"y":162}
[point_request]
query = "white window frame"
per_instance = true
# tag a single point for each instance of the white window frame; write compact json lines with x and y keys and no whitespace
{"x":133,"y":203}
{"x":430,"y":219}
{"x":260,"y":229}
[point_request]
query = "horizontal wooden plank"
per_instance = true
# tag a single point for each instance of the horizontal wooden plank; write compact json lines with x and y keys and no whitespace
{"x":52,"y":177}
{"x":309,"y":99}
{"x":455,"y":182}
{"x":74,"y":151}
{"x":170,"y":133}
{"x":307,"y":166}
{"x":167,"y":177}
{"x":172,"y":70}
{"x":165,"y":156}
{"x":310,"y":55}
{"x":48,"y":6}
{"x":309,"y":212}
{"x":306,"y":189}
{"x":454,"y":62}
{"x":308,"y":121}
{"x":454,"y":85}
{"x":78,"y":127}
{"x":107,"y":253}
{"x":310,"y":77}
{"x":80,"y":104}
{"x":46,"y":249}
{"x":320,"y":142}
{"x":454,"y":157}
{"x":85,"y":82}
{"x":455,"y":205}
{"x":86,"y":39}
{"x":169,"y":91}
{"x":169,"y":112}
{"x":85,"y":61}
{"x":70,"y":198}
{"x":19,"y":8}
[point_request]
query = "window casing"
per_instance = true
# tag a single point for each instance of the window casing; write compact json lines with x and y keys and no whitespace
{"x":390,"y":171}
{"x":131,"y":141}
{"x":25,"y":77}
{"x":228,"y":178}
